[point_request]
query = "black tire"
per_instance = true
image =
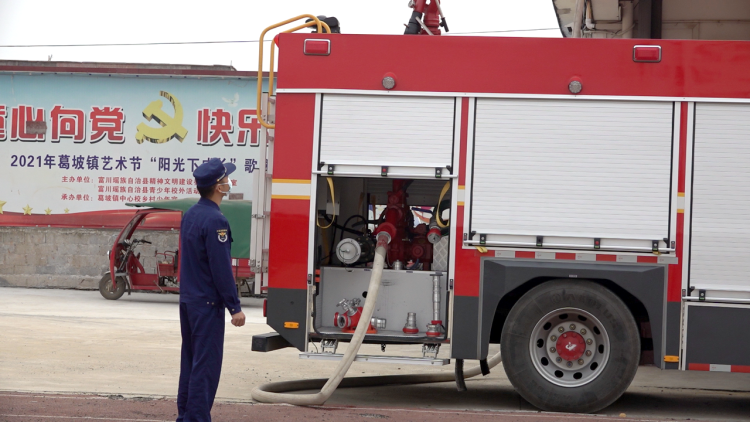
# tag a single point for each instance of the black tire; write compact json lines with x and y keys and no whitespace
{"x":105,"y":287}
{"x":544,"y":312}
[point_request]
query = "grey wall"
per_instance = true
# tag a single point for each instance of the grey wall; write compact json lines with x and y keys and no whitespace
{"x":44,"y":257}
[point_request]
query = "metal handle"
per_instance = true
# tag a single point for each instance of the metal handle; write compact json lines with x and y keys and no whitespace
{"x":315,"y":21}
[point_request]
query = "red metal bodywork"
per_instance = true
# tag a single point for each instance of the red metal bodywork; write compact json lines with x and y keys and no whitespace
{"x":478,"y":65}
{"x":516,"y":66}
{"x":290,"y":217}
{"x":688,"y":71}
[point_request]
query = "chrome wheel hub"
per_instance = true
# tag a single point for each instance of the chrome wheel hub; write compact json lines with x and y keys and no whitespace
{"x":569,"y":347}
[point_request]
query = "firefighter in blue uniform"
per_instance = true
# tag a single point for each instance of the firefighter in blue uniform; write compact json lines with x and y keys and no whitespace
{"x":206,"y":288}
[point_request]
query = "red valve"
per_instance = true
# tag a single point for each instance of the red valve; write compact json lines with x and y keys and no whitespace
{"x":348,"y":323}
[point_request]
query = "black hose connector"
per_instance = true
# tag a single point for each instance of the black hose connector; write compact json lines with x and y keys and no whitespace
{"x":444,"y":24}
{"x":414,"y":28}
{"x":332,"y":23}
{"x":460,"y":381}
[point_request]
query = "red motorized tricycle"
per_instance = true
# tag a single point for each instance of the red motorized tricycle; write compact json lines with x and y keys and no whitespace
{"x":145,"y":255}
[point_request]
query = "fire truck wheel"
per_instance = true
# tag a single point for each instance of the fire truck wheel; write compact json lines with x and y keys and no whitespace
{"x":570,"y":346}
{"x":105,"y":287}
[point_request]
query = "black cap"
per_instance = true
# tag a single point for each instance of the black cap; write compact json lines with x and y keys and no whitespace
{"x":210,"y":172}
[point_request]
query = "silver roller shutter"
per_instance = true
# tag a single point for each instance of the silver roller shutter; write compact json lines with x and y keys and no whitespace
{"x":572,"y":171}
{"x":360,"y":133}
{"x":720,"y":221}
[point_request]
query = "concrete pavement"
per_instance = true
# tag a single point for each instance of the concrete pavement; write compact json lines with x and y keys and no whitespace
{"x":30,"y":407}
{"x":69,"y":341}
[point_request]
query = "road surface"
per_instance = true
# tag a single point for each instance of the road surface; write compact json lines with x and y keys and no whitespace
{"x":67,"y":355}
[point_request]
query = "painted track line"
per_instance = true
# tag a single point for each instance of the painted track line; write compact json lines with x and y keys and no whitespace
{"x":518,"y":414}
{"x":55,"y":396}
{"x":396,"y":411}
{"x":93,"y":418}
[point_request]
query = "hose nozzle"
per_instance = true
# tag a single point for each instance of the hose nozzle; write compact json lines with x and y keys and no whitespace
{"x":384,"y":238}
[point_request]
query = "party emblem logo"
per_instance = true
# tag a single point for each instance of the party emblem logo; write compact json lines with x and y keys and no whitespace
{"x":171,"y":126}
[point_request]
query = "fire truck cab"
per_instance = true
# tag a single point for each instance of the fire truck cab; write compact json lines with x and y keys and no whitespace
{"x":589,"y":216}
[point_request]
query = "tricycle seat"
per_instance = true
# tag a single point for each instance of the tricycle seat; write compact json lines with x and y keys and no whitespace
{"x":167,"y":266}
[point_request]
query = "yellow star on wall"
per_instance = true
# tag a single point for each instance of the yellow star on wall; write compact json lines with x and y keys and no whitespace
{"x":66,"y":210}
{"x":27,"y":210}
{"x":48,"y":211}
{"x":1,"y":206}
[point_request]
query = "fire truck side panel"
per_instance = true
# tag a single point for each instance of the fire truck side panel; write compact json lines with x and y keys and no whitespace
{"x":720,"y":223}
{"x":516,"y":65}
{"x":467,"y":260}
{"x":466,"y":325}
{"x":671,"y":334}
{"x":692,"y":149}
{"x":571,"y":172}
{"x":676,"y":278}
{"x":287,"y":286}
{"x":715,"y":339}
{"x":717,"y":217}
{"x":465,"y":305}
{"x":294,"y":136}
{"x":503,"y":278}
{"x":367,"y":130}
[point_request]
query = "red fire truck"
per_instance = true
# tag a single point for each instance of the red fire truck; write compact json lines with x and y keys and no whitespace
{"x":588,"y":215}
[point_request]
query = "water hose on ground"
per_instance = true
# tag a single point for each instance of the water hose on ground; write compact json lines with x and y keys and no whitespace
{"x":275,"y":392}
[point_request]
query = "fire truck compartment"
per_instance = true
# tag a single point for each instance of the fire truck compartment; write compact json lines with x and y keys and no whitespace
{"x":713,"y":339}
{"x":719,"y":226}
{"x":564,"y":173}
{"x":350,"y":212}
{"x":401,"y":292}
{"x":359,"y":134}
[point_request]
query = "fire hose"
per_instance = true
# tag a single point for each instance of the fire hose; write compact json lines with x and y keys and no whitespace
{"x":275,"y":392}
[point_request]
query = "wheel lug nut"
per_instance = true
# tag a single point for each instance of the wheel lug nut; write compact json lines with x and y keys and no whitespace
{"x":580,"y":361}
{"x":553,"y":338}
{"x":552,"y":350}
{"x":558,"y":359}
{"x":569,"y":364}
{"x":561,"y":329}
{"x":588,"y":352}
{"x":589,"y":342}
{"x":583,"y":331}
{"x":572,"y":326}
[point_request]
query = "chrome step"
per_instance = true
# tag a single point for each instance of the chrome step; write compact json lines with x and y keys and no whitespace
{"x":403,"y":360}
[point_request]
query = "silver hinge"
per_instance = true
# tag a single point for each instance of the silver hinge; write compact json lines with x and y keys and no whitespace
{"x":430,"y":350}
{"x":329,"y":345}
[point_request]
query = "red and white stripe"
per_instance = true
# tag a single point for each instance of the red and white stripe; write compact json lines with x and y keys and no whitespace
{"x":582,"y":256}
{"x":714,"y":367}
{"x":242,"y":262}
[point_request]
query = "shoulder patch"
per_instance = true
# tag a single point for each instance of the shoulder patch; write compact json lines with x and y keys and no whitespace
{"x":222,"y":234}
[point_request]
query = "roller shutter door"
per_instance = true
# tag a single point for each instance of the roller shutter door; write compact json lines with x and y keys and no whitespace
{"x":362,"y":133}
{"x":572,"y":171}
{"x":720,"y":222}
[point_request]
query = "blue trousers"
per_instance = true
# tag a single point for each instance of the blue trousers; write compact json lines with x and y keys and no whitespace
{"x":202,"y":327}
